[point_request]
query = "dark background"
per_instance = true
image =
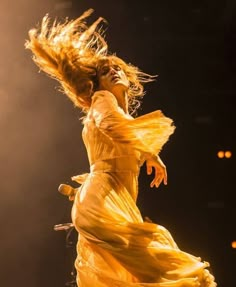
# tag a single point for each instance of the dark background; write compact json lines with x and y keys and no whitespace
{"x":191,"y":46}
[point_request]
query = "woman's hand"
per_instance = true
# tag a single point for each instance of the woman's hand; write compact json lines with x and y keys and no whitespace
{"x":160,"y":170}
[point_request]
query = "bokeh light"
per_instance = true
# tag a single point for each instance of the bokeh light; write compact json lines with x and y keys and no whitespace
{"x":233,"y":244}
{"x":220,"y":154}
{"x":228,"y":154}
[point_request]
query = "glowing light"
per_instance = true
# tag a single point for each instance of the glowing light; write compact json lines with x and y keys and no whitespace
{"x":228,"y":154}
{"x":224,"y":154}
{"x":220,"y":154}
{"x":233,"y":244}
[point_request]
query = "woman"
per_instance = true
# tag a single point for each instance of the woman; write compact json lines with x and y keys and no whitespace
{"x":116,"y":247}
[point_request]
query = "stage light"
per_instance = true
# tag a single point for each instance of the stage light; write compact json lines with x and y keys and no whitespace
{"x":224,"y":154}
{"x":228,"y":154}
{"x":220,"y":154}
{"x":233,"y":244}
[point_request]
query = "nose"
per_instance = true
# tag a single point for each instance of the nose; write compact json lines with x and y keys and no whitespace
{"x":112,"y":71}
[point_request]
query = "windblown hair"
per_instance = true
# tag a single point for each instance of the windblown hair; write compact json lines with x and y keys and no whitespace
{"x":71,"y":53}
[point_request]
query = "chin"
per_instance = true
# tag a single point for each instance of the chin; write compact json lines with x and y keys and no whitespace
{"x":121,"y":85}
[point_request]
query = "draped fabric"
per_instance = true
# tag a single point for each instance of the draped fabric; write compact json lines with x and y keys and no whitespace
{"x":116,"y":248}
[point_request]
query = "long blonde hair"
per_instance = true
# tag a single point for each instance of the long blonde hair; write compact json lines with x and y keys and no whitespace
{"x":70,"y":52}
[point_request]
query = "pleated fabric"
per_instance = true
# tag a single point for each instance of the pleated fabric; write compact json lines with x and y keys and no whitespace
{"x":116,"y":248}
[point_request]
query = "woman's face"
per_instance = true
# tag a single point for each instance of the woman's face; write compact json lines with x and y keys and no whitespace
{"x":112,"y":78}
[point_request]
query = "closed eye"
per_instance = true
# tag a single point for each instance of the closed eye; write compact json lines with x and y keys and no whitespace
{"x":104,"y":71}
{"x":117,"y":68}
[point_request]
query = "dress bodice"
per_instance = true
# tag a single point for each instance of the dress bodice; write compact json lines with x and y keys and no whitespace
{"x":109,"y":133}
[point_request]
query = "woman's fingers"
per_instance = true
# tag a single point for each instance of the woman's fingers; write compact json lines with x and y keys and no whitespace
{"x":165,"y":177}
{"x":160,"y":175}
{"x":149,"y":169}
{"x":156,"y":182}
{"x":160,"y":171}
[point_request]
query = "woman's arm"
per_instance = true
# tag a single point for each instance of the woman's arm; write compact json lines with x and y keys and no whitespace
{"x":117,"y":127}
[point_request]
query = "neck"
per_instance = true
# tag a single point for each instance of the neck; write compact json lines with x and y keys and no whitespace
{"x":122,"y":100}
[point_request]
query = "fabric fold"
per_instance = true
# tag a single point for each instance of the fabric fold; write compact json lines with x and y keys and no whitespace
{"x":116,"y":247}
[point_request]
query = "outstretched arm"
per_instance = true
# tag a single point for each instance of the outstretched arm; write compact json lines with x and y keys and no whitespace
{"x":120,"y":129}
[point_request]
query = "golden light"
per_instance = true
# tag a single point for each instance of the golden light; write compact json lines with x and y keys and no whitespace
{"x":228,"y":154}
{"x":233,"y":244}
{"x":220,"y":154}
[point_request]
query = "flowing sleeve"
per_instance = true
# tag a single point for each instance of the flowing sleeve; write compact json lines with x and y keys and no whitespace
{"x":147,"y":133}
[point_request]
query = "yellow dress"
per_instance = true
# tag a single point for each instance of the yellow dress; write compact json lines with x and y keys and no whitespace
{"x":116,"y":248}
